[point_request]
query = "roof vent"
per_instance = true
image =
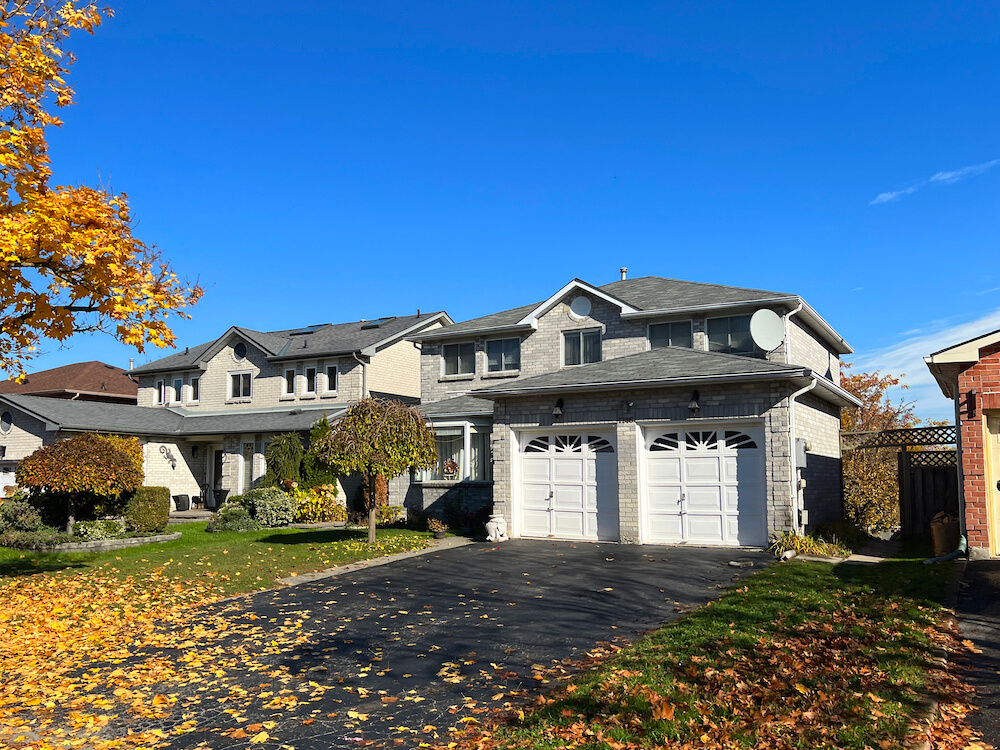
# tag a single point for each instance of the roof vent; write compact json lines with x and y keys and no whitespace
{"x":623,"y":272}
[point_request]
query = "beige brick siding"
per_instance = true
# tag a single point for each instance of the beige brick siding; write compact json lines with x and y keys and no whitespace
{"x":26,"y":435}
{"x":811,"y":352}
{"x":184,"y":478}
{"x":396,"y":370}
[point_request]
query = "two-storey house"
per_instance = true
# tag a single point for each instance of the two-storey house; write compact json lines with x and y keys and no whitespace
{"x":639,"y":411}
{"x":206,"y":414}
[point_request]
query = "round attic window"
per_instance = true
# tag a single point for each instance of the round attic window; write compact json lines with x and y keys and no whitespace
{"x":6,"y":422}
{"x":580,"y":306}
{"x":240,"y":351}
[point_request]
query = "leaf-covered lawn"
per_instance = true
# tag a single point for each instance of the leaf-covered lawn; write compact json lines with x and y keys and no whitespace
{"x":85,"y":639}
{"x":230,"y":562}
{"x":803,"y":655}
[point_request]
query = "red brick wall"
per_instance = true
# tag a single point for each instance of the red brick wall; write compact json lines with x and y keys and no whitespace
{"x":983,"y":379}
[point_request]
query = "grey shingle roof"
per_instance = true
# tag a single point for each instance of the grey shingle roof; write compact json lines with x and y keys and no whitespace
{"x":459,"y":406}
{"x":655,"y":292}
{"x":143,"y":420}
{"x":325,"y":340}
{"x":658,"y":366}
{"x":644,"y":293}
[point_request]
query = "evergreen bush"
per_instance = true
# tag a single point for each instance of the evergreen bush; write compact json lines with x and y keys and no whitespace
{"x":148,"y":510}
{"x":270,"y":507}
{"x":18,"y":515}
{"x":232,"y":517}
{"x":284,"y":459}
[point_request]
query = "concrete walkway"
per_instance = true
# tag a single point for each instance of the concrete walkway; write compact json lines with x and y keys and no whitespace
{"x":875,"y":551}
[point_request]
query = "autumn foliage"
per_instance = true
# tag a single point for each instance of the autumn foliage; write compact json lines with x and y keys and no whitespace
{"x":88,"y":463}
{"x":871,"y":484}
{"x":68,"y":260}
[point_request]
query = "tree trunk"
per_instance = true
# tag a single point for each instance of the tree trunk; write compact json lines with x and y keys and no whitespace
{"x":70,"y":518}
{"x":372,"y":506}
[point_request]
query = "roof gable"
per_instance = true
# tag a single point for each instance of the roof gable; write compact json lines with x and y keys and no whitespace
{"x":531,"y":318}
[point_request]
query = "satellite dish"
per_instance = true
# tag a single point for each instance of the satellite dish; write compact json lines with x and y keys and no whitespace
{"x":767,"y":330}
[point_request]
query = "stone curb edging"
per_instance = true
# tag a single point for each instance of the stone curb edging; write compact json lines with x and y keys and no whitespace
{"x":109,"y":545}
{"x":436,"y":546}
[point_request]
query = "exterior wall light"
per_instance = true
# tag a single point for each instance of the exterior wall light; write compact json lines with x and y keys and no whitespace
{"x":557,"y":410}
{"x":694,"y":407}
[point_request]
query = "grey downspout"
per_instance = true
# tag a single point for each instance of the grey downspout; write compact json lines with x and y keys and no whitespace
{"x":364,"y":375}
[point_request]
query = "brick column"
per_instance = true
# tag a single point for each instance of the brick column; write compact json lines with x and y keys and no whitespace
{"x":628,"y":482}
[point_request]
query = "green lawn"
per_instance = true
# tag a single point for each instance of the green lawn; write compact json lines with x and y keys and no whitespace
{"x":802,"y":655}
{"x":233,"y":562}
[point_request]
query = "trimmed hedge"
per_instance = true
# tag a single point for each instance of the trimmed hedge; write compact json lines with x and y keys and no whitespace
{"x":270,"y":507}
{"x":148,"y":510}
{"x":232,"y":517}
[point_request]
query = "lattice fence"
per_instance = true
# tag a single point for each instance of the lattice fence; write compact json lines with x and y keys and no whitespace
{"x":933,"y":458}
{"x":905,"y":438}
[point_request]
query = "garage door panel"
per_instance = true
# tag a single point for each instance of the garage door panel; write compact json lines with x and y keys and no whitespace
{"x":569,"y":524}
{"x":536,"y":495}
{"x":666,"y":528}
{"x":705,"y":529}
{"x":701,"y":469}
{"x":704,"y":498}
{"x":536,"y":522}
{"x":568,"y":497}
{"x":568,"y":469}
{"x":660,"y":469}
{"x":535,"y":469}
{"x":665,"y":499}
{"x":746,"y":467}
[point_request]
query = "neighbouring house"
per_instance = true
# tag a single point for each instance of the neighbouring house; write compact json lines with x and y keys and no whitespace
{"x":640,"y":411}
{"x":206,"y":414}
{"x":968,"y":373}
{"x":86,"y":381}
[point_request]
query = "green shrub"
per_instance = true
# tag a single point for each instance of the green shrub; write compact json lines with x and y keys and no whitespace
{"x":806,"y":545}
{"x":232,"y":517}
{"x":319,"y":505}
{"x":270,"y":507}
{"x":315,"y":471}
{"x":18,"y":515}
{"x":148,"y":510}
{"x":44,"y":538}
{"x":284,"y":459}
{"x":93,"y":531}
{"x":384,"y":515}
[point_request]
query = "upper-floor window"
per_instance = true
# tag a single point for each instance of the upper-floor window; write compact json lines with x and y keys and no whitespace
{"x":459,"y":359}
{"x":288,"y":383}
{"x":178,"y":390}
{"x":503,"y":354}
{"x":331,"y":379}
{"x":671,"y":334}
{"x":731,"y":336}
{"x":581,"y":347}
{"x":195,"y":390}
{"x":310,"y":381}
{"x":240,"y":384}
{"x":161,"y":392}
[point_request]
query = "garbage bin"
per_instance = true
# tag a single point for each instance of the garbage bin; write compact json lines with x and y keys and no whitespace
{"x":219,"y":497}
{"x":944,"y":533}
{"x":182,"y":502}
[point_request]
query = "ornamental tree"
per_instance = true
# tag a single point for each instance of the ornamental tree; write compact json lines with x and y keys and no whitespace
{"x":871,"y":482}
{"x":68,"y":260}
{"x":86,"y":465}
{"x":377,"y":436}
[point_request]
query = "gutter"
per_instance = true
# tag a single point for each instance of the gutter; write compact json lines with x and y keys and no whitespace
{"x":445,"y":333}
{"x":364,"y":374}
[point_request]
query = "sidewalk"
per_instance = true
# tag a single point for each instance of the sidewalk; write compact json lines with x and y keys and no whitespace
{"x":979,"y":620}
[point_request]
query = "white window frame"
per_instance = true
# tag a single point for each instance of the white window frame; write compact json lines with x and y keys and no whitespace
{"x":160,"y":399}
{"x":229,"y":385}
{"x":327,"y":390}
{"x":486,"y":349}
{"x":284,"y":381}
{"x":194,"y":390}
{"x":649,"y":330}
{"x":444,"y":360}
{"x":465,"y":470}
{"x":305,"y":376}
{"x":176,"y":394}
{"x":579,"y":332}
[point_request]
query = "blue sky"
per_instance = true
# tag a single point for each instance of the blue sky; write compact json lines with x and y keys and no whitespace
{"x":335,"y":161}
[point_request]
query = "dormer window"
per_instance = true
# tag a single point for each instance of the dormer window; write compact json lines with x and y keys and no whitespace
{"x":581,"y":347}
{"x":671,"y":334}
{"x":731,"y":336}
{"x":459,"y":359}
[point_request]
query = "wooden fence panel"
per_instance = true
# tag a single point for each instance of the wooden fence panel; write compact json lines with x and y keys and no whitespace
{"x":928,"y":484}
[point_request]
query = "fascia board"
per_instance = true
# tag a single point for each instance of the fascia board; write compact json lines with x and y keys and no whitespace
{"x":965,"y":352}
{"x":846,"y":399}
{"x":370,"y":351}
{"x":651,"y":383}
{"x":532,"y":317}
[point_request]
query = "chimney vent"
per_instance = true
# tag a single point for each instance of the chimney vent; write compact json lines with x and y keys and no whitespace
{"x":131,"y":363}
{"x":624,"y":271}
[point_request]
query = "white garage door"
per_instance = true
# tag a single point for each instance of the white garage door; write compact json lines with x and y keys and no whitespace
{"x":569,"y":486}
{"x":706,"y":487}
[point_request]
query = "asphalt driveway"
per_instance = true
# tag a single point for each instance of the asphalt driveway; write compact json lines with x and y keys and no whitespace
{"x":431,"y":640}
{"x":979,"y":618}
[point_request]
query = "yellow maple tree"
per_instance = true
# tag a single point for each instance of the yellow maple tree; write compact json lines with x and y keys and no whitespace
{"x":68,"y":260}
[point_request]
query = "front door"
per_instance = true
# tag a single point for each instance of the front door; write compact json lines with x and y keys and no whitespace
{"x":993,"y":478}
